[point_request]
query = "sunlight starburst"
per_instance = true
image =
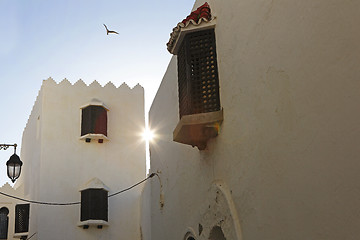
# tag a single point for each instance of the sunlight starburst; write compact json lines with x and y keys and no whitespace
{"x":148,"y":135}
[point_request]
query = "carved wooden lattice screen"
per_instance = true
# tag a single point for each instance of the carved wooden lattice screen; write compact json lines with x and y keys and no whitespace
{"x":4,"y":222}
{"x":198,"y":74}
{"x":22,"y":212}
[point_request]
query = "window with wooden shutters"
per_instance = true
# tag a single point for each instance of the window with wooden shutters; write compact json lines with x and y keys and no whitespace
{"x":94,"y":205}
{"x":22,"y":212}
{"x":198,"y":87}
{"x":198,"y":82}
{"x":94,"y":120}
{"x":4,"y":222}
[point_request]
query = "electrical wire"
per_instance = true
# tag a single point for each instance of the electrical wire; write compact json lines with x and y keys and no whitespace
{"x":38,"y":202}
{"x":126,"y":189}
{"x":75,"y":203}
{"x":31,"y":236}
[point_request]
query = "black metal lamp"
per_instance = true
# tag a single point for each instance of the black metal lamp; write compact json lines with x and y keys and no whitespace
{"x":14,"y":164}
{"x":14,"y":167}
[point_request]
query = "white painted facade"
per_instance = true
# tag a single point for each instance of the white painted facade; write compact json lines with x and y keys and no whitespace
{"x":285,"y":164}
{"x":57,"y":163}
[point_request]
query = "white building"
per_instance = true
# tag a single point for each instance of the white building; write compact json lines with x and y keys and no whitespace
{"x":285,"y":161}
{"x":257,"y":135}
{"x":78,"y":138}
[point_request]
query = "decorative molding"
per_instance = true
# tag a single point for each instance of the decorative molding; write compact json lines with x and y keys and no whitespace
{"x":220,"y":184}
{"x":190,"y":232}
{"x":93,"y":223}
{"x":219,"y":209}
{"x":94,"y":136}
{"x":198,"y":20}
{"x":94,"y":183}
{"x":19,"y":235}
{"x":95,"y":102}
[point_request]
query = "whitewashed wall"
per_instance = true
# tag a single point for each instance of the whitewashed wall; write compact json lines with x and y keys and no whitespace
{"x":285,"y":164}
{"x":57,"y":163}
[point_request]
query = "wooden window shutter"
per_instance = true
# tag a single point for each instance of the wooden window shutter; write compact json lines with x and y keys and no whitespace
{"x":94,"y":120}
{"x":22,"y":213}
{"x":94,"y":205}
{"x":198,"y":80}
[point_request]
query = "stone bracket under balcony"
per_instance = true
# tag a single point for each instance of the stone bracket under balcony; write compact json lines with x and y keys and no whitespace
{"x":197,"y":129}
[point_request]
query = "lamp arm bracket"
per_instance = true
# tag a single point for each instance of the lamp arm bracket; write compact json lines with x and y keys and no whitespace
{"x":6,"y":146}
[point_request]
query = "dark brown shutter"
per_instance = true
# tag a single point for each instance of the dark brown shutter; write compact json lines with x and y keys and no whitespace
{"x":4,"y":222}
{"x":94,"y":120}
{"x":94,"y":205}
{"x":22,"y":212}
{"x":198,"y":74}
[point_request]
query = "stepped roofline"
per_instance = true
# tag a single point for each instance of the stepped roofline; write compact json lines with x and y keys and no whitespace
{"x":95,"y":84}
{"x":65,"y":83}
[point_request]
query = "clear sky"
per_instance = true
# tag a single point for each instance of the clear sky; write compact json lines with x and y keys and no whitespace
{"x":66,"y":39}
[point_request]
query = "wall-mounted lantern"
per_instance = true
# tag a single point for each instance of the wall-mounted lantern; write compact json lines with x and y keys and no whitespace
{"x":13,"y":164}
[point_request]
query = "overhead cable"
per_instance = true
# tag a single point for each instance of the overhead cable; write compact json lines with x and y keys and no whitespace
{"x":76,"y":203}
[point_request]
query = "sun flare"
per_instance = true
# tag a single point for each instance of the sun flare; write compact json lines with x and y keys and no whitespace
{"x":148,"y":135}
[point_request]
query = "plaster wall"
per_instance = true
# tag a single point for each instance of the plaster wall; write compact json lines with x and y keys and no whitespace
{"x":62,"y":163}
{"x":287,"y":152}
{"x":31,"y":158}
{"x":145,"y":211}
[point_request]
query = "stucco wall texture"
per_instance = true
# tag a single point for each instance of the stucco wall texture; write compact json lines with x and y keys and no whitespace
{"x":57,"y":163}
{"x":287,"y":154}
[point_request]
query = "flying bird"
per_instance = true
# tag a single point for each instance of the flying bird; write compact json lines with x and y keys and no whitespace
{"x":109,"y":31}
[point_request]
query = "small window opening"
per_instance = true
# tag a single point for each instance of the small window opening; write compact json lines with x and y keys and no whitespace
{"x":22,"y":213}
{"x":94,"y":120}
{"x":94,"y":205}
{"x":4,"y":222}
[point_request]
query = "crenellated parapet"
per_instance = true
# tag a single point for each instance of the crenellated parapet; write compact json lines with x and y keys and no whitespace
{"x":80,"y":93}
{"x":95,"y":84}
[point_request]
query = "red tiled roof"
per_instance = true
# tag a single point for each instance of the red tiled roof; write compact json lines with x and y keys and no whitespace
{"x":202,"y":13}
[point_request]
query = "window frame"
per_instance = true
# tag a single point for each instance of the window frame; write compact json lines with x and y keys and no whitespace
{"x":198,"y":78}
{"x":94,"y":136}
{"x":25,"y":208}
{"x":93,"y":120}
{"x":197,"y":129}
{"x":94,"y":205}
